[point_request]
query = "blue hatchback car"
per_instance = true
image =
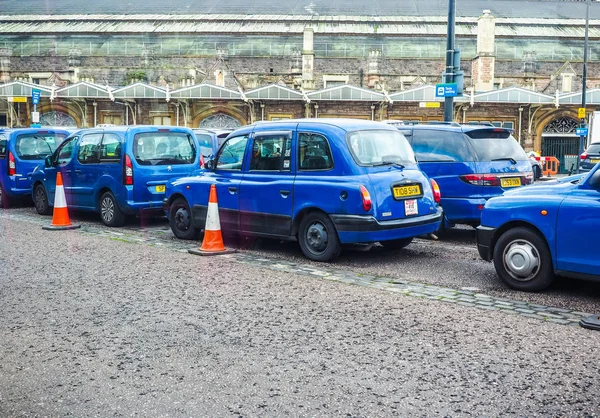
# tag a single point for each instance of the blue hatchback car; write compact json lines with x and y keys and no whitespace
{"x":322,"y":182}
{"x":116,"y":171}
{"x":471,"y":164}
{"x":21,"y":150}
{"x":535,"y":233}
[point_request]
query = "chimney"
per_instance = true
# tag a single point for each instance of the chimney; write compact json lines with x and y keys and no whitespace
{"x":308,"y":60}
{"x":482,"y":66}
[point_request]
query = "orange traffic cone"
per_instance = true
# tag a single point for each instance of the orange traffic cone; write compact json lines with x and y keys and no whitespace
{"x":60,"y":216}
{"x":212,"y":243}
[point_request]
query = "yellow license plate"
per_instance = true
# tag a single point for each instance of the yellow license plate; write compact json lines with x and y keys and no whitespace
{"x":160,"y":189}
{"x":594,"y":161}
{"x":404,"y":191}
{"x":512,"y":182}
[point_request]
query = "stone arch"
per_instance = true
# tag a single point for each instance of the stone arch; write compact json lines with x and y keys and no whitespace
{"x":548,"y":118}
{"x":58,"y":115}
{"x":220,"y":111}
{"x":555,"y":137}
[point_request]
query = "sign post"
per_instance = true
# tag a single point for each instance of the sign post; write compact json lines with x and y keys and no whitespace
{"x":35,"y":98}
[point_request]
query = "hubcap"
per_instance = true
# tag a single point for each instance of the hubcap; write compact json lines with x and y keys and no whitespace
{"x":182,"y":219}
{"x":40,"y":199}
{"x":521,"y":260}
{"x":316,"y":237}
{"x":107,"y":209}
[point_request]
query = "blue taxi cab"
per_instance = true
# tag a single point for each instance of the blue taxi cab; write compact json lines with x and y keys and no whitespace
{"x":116,"y":171}
{"x":533,"y":234}
{"x":321,"y":182}
{"x":21,"y":150}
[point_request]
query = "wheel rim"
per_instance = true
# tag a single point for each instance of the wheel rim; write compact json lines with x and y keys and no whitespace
{"x":521,"y":260}
{"x":182,"y":219}
{"x":40,"y":199}
{"x":107,"y":209}
{"x":316,"y":238}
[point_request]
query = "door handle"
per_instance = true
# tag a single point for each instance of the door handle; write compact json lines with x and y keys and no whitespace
{"x":77,"y":171}
{"x":284,"y":193}
{"x":232,"y":190}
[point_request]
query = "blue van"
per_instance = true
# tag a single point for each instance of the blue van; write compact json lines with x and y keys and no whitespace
{"x":321,"y":182}
{"x":210,"y":140}
{"x":21,"y":150}
{"x":116,"y":171}
{"x":471,"y":164}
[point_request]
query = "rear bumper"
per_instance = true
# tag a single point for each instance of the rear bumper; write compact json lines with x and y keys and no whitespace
{"x":359,"y":228}
{"x":485,"y":237}
{"x":463,"y":210}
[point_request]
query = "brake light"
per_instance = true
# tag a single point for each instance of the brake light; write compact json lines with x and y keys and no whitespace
{"x":201,"y":161}
{"x":481,"y":179}
{"x":12,"y":165}
{"x":437,"y":194}
{"x":366,"y":198}
{"x":127,"y":171}
{"x":583,"y":156}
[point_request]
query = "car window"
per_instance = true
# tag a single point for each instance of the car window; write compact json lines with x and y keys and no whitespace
{"x":65,"y":151}
{"x":439,"y":146}
{"x":271,"y":153}
{"x":164,"y":148}
{"x":110,"y":151}
{"x":231,"y":155}
{"x":2,"y":146}
{"x":37,"y":146}
{"x":495,"y":144}
{"x":88,"y":148}
{"x":313,"y":152}
{"x":376,"y":147}
{"x":593,"y":149}
{"x":205,"y":143}
{"x":221,"y":138}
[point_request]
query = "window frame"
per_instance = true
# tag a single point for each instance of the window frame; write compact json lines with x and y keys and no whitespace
{"x":327,"y":142}
{"x":222,"y":148}
{"x":287,"y":138}
{"x":115,"y":160}
{"x":96,"y":151}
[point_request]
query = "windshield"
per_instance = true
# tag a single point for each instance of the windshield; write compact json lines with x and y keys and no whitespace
{"x":37,"y":146}
{"x":492,"y":145}
{"x":594,"y":149}
{"x":376,"y":147}
{"x":162,"y":148}
{"x":205,"y":143}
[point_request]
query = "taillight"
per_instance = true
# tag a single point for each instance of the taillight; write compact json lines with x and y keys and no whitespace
{"x":201,"y":161}
{"x":437,"y":194}
{"x":481,"y":179}
{"x":366,"y":198}
{"x":12,"y":165}
{"x":127,"y":171}
{"x":583,"y":156}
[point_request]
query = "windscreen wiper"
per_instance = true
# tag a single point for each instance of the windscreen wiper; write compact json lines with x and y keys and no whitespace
{"x":395,"y":164}
{"x":511,"y":159}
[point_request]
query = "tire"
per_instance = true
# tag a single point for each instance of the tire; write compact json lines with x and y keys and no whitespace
{"x":4,"y":203}
{"x":523,"y":261}
{"x":110,"y":212}
{"x":318,"y":237}
{"x":396,"y":244}
{"x":40,"y":200}
{"x":180,"y":220}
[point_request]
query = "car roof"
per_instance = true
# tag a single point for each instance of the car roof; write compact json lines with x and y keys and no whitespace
{"x":347,"y":124}
{"x":454,"y":127}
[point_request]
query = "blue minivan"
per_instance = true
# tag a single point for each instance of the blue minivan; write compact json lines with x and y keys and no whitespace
{"x":21,"y":150}
{"x":471,"y":164}
{"x":116,"y":171}
{"x":321,"y":182}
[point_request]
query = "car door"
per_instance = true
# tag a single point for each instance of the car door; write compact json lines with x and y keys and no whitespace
{"x":62,"y":160}
{"x":577,"y":245}
{"x":266,"y":190}
{"x":227,"y":176}
{"x":86,"y":170}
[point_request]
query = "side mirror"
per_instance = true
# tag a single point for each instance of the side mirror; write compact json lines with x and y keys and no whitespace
{"x":595,"y":180}
{"x":48,"y":161}
{"x":209,"y":164}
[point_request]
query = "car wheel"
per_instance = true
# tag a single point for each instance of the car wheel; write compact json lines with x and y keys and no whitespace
{"x":523,"y":261}
{"x":110,"y":213}
{"x":40,"y":200}
{"x":397,"y":244}
{"x":318,"y":238}
{"x":4,"y":202}
{"x":180,"y":220}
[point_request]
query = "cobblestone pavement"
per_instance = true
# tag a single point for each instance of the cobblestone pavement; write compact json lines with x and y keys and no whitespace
{"x":161,"y":236}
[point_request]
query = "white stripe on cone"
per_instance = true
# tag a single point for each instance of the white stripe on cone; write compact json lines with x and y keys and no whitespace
{"x":59,"y":198}
{"x":213,"y":222}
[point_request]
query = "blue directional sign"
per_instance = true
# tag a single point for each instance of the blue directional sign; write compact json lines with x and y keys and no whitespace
{"x":446,"y":90}
{"x":35,"y":96}
{"x":581,"y":131}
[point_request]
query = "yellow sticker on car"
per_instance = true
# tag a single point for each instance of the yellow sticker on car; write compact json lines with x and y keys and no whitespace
{"x":160,"y":188}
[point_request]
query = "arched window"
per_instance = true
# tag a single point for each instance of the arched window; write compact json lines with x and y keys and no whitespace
{"x":220,"y":120}
{"x":55,"y":118}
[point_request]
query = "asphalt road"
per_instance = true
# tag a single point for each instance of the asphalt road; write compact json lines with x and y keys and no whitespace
{"x":94,"y":326}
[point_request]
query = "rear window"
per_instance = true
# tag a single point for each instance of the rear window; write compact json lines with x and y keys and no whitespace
{"x":594,"y":148}
{"x":496,"y":144}
{"x":205,"y":143}
{"x":375,"y":147}
{"x":2,"y":146}
{"x":37,"y":146}
{"x":164,"y":148}
{"x":432,"y":145}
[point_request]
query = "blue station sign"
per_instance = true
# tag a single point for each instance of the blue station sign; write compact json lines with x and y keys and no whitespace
{"x":446,"y":90}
